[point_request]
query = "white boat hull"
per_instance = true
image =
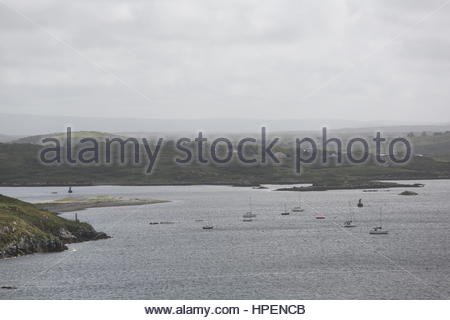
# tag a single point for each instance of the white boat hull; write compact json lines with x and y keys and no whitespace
{"x":378,"y":230}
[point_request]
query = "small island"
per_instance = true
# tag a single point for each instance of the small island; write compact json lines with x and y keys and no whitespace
{"x":408,"y":193}
{"x":365,"y":185}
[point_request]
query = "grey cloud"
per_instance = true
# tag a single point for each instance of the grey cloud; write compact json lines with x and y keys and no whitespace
{"x":207,"y":58}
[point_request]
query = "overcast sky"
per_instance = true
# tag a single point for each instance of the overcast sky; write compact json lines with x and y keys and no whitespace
{"x":356,"y":60}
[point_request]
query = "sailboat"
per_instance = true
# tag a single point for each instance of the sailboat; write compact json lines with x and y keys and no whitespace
{"x":299,"y":207}
{"x":208,"y":225}
{"x":70,"y":190}
{"x":349,"y":223}
{"x":249,"y":215}
{"x":285,"y":212}
{"x":379,"y":229}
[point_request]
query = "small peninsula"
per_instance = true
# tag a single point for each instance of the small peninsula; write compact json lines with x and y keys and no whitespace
{"x":80,"y":203}
{"x":25,"y":229}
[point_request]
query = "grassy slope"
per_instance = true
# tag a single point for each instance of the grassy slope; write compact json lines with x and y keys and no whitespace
{"x":29,"y":229}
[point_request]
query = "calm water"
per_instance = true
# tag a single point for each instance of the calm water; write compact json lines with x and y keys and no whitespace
{"x":273,"y":257}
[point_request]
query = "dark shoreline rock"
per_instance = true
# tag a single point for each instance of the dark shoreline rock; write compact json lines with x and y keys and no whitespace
{"x":31,"y":244}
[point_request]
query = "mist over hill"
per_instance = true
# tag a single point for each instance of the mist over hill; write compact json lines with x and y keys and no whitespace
{"x":26,"y":125}
{"x":7,"y":138}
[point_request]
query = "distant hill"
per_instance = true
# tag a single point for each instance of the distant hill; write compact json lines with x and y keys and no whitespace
{"x":400,"y":129}
{"x":17,"y":124}
{"x":76,"y":136}
{"x":6,"y":138}
{"x":19,"y":165}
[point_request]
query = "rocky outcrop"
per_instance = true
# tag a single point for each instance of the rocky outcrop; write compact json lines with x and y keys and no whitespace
{"x":81,"y":235}
{"x":28,"y":245}
{"x":48,"y":243}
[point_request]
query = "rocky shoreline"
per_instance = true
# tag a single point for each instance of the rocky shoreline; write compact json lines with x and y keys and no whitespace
{"x":32,"y":244}
{"x":50,"y":243}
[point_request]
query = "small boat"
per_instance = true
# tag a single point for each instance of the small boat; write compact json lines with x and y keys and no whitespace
{"x":8,"y":287}
{"x":152,"y":223}
{"x":247,"y":220}
{"x":208,"y":227}
{"x":299,"y":207}
{"x":249,"y":214}
{"x":379,"y":229}
{"x":320,"y":217}
{"x":70,"y":190}
{"x":349,"y":224}
{"x":360,"y":204}
{"x":285,"y":212}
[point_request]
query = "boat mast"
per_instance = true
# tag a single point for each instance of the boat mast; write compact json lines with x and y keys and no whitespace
{"x":380,"y":217}
{"x":350,"y":211}
{"x":299,"y":199}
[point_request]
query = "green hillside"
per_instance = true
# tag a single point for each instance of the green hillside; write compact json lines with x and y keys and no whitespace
{"x":27,"y":229}
{"x":19,"y":166}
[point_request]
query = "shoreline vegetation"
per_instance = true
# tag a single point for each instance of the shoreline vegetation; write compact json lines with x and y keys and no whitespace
{"x":26,"y":229}
{"x":70,"y":204}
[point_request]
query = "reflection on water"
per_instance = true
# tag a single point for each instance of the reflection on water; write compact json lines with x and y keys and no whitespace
{"x":272,"y":257}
